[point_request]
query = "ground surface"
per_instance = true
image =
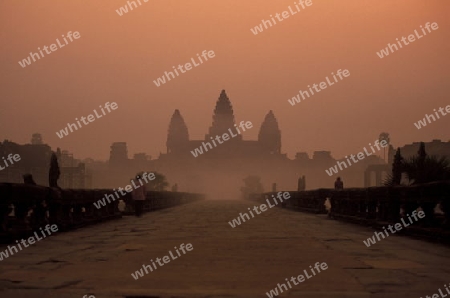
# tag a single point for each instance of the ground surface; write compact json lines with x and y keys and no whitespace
{"x":246,"y":261}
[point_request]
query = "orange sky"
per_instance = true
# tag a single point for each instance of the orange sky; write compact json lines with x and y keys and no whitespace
{"x":118,"y":57}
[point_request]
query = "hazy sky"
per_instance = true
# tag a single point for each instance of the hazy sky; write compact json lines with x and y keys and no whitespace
{"x":118,"y":57}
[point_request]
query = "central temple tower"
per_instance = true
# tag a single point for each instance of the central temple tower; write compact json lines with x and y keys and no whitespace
{"x":223,"y":118}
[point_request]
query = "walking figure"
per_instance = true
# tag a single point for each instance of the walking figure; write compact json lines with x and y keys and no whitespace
{"x":338,"y":184}
{"x":138,"y":195}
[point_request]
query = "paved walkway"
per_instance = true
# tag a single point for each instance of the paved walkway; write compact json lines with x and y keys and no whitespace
{"x":246,"y":261}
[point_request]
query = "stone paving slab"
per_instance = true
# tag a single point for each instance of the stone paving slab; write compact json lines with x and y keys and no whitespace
{"x":246,"y":261}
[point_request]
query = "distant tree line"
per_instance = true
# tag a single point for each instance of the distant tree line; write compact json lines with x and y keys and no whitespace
{"x":418,"y":169}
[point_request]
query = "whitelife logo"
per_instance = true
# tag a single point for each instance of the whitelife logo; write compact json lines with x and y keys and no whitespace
{"x":411,"y":38}
{"x":280,"y":195}
{"x":334,"y":170}
{"x":53,"y":48}
{"x":188,"y":66}
{"x":397,"y":226}
{"x":281,"y":16}
{"x":318,"y":266}
{"x":440,"y":293}
{"x":165,"y":259}
{"x":422,"y":123}
{"x":64,"y":132}
{"x":10,"y":158}
{"x":102,"y":203}
{"x":340,"y":73}
{"x":225,"y":137}
{"x":31,"y":240}
{"x":124,"y":9}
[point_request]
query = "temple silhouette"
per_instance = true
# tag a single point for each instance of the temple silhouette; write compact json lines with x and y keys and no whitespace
{"x":229,"y":162}
{"x":219,"y":171}
{"x":268,"y":144}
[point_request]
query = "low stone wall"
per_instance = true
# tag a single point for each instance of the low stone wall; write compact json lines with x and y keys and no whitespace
{"x":26,"y":208}
{"x":156,"y":200}
{"x":308,"y":201}
{"x":380,"y":206}
{"x":385,"y":204}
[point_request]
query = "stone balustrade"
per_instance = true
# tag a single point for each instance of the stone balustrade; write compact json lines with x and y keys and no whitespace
{"x":26,"y":208}
{"x":380,"y":206}
{"x":156,"y":200}
{"x":309,"y":201}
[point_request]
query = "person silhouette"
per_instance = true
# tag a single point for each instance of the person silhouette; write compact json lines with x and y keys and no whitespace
{"x":28,"y":179}
{"x":338,"y":184}
{"x":138,"y":195}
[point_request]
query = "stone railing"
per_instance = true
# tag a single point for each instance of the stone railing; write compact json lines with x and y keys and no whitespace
{"x":379,"y":206}
{"x":156,"y":200}
{"x":308,"y":201}
{"x":389,"y":204}
{"x":26,"y":208}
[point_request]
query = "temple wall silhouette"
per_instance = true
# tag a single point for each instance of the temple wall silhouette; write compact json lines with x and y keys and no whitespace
{"x":218,"y":172}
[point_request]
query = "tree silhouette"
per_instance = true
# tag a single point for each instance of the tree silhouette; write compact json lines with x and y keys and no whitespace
{"x":397,"y":168}
{"x":252,"y":185}
{"x":158,"y":184}
{"x":419,"y":163}
{"x":384,"y":136}
{"x":419,"y":169}
{"x":427,"y":169}
{"x":54,"y":172}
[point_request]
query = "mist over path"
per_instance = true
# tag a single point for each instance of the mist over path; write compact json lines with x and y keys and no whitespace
{"x":246,"y":261}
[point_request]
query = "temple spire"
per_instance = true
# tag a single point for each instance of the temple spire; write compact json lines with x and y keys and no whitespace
{"x":178,"y":134}
{"x":269,"y":134}
{"x":223,"y":118}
